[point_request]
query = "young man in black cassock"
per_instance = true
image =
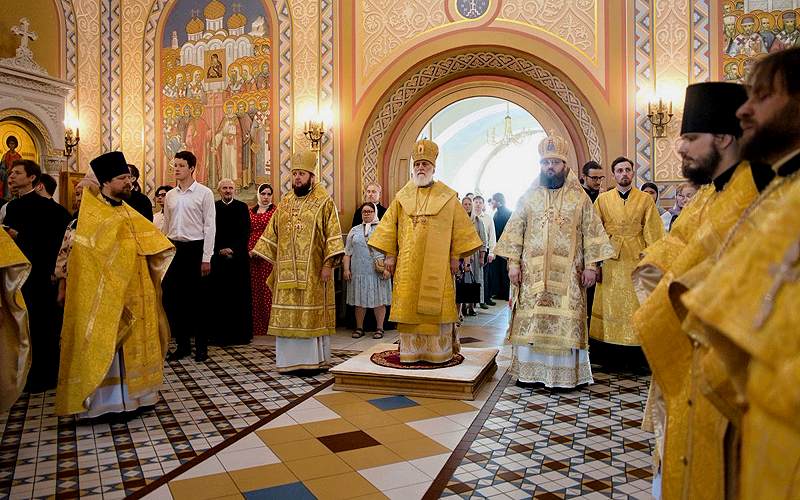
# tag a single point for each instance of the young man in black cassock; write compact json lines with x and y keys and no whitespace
{"x":37,"y":225}
{"x":501,"y":215}
{"x":230,"y":270}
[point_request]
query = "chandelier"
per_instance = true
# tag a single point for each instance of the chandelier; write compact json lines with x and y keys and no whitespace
{"x":508,"y":137}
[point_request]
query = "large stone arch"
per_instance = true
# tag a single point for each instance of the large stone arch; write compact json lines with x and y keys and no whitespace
{"x":448,"y":66}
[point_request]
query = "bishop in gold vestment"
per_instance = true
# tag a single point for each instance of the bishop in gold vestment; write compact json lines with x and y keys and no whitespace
{"x":689,"y":454}
{"x":115,"y":333}
{"x":424,"y":233}
{"x":303,"y":240}
{"x":554,"y":239}
{"x":15,"y":342}
{"x":631,"y":219}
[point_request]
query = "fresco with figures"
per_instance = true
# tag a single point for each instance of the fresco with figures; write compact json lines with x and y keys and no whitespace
{"x":754,"y":28}
{"x":216,"y":92}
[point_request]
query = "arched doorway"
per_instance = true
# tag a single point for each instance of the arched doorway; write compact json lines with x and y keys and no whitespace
{"x":462,"y":113}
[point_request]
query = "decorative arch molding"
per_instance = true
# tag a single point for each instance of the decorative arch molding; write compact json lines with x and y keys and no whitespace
{"x":31,"y":115}
{"x":540,"y":105}
{"x":497,"y":62}
{"x":282,"y":38}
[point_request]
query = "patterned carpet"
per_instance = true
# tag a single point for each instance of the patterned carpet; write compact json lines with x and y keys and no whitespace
{"x":202,"y":404}
{"x":542,"y":444}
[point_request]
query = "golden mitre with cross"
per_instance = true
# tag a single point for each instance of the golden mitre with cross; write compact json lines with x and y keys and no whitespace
{"x":305,"y":160}
{"x":553,"y":146}
{"x":426,"y":150}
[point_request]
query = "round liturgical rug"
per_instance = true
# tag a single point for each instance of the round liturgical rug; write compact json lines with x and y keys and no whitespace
{"x":391,"y":359}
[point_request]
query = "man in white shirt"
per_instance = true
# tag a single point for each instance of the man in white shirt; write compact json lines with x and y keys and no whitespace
{"x":190,"y":223}
{"x":479,"y":204}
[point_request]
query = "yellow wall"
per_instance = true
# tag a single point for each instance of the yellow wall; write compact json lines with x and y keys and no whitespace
{"x":45,"y":22}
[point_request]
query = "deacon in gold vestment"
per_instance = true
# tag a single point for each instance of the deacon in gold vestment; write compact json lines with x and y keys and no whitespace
{"x":115,"y":333}
{"x":744,"y":314}
{"x":689,"y":455}
{"x":15,"y":342}
{"x":631,"y":219}
{"x":303,"y":240}
{"x":423,"y":234}
{"x":553,"y":242}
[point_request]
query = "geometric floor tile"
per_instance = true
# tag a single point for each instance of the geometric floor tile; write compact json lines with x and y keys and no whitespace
{"x":201,"y":405}
{"x":393,"y":403}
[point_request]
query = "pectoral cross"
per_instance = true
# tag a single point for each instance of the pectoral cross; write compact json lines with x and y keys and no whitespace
{"x":783,"y":273}
{"x":22,"y":32}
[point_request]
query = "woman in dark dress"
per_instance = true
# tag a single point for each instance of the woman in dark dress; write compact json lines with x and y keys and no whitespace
{"x":260,"y":269}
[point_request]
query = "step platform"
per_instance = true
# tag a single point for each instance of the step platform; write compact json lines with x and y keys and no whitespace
{"x":463,"y":381}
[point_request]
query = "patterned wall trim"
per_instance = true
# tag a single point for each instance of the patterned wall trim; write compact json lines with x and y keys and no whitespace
{"x":701,"y":40}
{"x":105,"y":74}
{"x":71,"y":44}
{"x":283,"y":39}
{"x":417,"y":83}
{"x":643,"y":52}
{"x":326,"y":98}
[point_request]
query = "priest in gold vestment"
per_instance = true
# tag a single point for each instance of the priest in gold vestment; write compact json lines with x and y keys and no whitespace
{"x":689,"y":456}
{"x":303,"y":240}
{"x":423,"y":234}
{"x":631,"y":219}
{"x":115,"y":333}
{"x":744,"y":313}
{"x":15,"y":342}
{"x":553,"y":243}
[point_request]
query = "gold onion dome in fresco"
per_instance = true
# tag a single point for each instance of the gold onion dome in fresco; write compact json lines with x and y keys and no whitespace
{"x":237,"y":21}
{"x":214,"y":10}
{"x":194,"y":26}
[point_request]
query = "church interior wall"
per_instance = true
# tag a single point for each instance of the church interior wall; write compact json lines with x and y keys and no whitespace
{"x":348,"y":57}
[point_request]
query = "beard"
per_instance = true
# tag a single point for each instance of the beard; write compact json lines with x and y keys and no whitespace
{"x":701,"y":171}
{"x":552,"y":181}
{"x":774,"y":136}
{"x":302,"y":190}
{"x":123,"y":194}
{"x":423,"y":180}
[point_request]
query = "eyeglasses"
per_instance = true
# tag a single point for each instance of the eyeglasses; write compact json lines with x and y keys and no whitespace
{"x":596,"y":178}
{"x":368,"y":211}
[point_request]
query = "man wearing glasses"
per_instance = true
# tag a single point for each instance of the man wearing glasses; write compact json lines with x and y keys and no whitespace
{"x":592,"y":181}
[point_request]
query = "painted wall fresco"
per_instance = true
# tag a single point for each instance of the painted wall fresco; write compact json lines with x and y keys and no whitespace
{"x":216,"y":92}
{"x":754,"y":28}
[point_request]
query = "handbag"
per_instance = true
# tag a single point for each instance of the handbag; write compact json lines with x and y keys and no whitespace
{"x":468,"y":293}
{"x":378,"y":263}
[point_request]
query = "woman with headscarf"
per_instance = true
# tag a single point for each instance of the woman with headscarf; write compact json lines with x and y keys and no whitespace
{"x":369,"y":286}
{"x":260,"y":269}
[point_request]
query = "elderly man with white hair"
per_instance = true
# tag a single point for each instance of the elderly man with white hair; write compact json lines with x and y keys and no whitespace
{"x":372,"y":194}
{"x":230,"y":270}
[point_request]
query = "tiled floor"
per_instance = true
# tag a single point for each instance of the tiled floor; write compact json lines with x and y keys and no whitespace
{"x":233,"y":428}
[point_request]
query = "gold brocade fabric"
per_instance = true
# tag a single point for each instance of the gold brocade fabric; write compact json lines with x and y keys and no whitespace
{"x":15,"y":342}
{"x":746,"y":315}
{"x":659,"y":256}
{"x":113,"y":302}
{"x":632,"y":225}
{"x":302,"y":235}
{"x":552,"y":236}
{"x":693,"y":454}
{"x":425,"y":228}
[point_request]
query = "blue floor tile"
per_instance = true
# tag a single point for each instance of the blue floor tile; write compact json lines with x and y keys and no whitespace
{"x":393,"y":402}
{"x":291,"y":491}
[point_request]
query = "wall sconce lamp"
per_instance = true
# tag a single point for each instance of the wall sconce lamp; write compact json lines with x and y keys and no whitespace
{"x":659,"y":114}
{"x":72,"y":135}
{"x":315,"y":128}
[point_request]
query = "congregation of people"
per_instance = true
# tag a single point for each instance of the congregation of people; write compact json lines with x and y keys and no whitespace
{"x":702,"y":293}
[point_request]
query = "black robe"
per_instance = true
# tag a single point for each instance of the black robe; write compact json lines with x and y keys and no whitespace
{"x":230,"y":276}
{"x":41,"y":223}
{"x":142,"y":204}
{"x":502,"y":284}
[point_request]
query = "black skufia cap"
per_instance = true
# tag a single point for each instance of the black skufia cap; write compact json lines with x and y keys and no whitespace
{"x":710,"y":108}
{"x":109,"y":165}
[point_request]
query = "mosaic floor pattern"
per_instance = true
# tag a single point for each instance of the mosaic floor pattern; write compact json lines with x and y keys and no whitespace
{"x":541,"y":444}
{"x":202,"y":405}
